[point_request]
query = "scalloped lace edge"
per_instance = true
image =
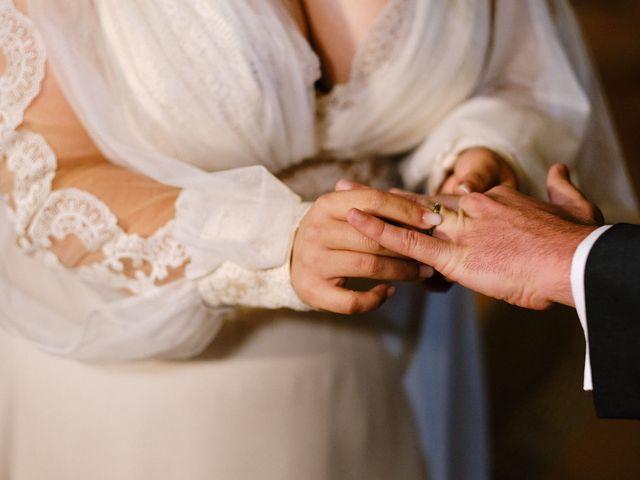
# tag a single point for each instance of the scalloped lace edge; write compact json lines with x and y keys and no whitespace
{"x":40,"y":214}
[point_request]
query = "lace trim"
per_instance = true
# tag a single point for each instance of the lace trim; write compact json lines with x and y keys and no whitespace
{"x":157,"y":254}
{"x":33,"y":165}
{"x":40,"y":214}
{"x":380,"y":40}
{"x":24,"y":56}
{"x":73,"y":212}
{"x":383,"y":36}
{"x":234,"y":285}
{"x":231,"y":284}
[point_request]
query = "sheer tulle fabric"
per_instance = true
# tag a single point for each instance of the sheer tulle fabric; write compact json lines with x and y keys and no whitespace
{"x":216,"y":97}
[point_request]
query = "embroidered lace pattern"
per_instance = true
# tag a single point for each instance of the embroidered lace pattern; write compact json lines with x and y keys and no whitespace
{"x":24,"y":67}
{"x":40,"y":214}
{"x":33,"y":164}
{"x":150,"y":257}
{"x":384,"y":35}
{"x":231,"y":284}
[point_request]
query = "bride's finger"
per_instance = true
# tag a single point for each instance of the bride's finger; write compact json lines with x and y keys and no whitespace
{"x":367,"y":265}
{"x":341,"y":300}
{"x":343,"y":236}
{"x":423,"y":248}
{"x":416,"y":197}
{"x":381,"y":204}
{"x":343,"y":184}
{"x":449,"y":186}
{"x":449,"y":201}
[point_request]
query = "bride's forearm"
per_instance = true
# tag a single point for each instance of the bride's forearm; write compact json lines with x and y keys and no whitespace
{"x":141,"y":205}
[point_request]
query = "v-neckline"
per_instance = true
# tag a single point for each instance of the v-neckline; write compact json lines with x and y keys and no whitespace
{"x":356,"y":71}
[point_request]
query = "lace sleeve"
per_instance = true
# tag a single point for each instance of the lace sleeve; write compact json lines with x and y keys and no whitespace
{"x":53,"y":212}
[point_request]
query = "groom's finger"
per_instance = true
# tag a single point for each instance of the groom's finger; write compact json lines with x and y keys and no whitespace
{"x":410,"y":243}
{"x":449,"y":225}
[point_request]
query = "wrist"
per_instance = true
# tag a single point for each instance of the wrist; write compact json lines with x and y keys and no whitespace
{"x":560,"y":290}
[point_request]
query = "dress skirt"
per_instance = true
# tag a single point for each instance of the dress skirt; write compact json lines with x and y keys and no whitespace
{"x":277,"y":395}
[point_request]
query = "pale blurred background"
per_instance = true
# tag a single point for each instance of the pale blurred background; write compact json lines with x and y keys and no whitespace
{"x":544,"y":425}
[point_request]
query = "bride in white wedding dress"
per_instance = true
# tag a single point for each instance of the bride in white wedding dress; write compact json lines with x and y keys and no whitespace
{"x":171,"y":257}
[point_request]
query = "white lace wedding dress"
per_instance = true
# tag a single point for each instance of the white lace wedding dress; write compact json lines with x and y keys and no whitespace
{"x":217,"y":98}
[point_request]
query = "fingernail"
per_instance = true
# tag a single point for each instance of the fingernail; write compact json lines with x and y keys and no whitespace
{"x":343,"y":184}
{"x":463,"y":187}
{"x":432,"y":219}
{"x":425,"y":271}
{"x":391,"y":291}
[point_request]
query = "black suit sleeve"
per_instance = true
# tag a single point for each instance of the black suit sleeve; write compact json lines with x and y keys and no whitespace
{"x":612,"y":291}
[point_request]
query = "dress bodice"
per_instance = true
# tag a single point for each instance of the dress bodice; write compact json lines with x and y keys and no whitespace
{"x":230,"y":84}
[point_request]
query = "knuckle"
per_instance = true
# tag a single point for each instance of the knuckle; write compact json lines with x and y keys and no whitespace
{"x":302,"y":288}
{"x":414,"y":212}
{"x":409,"y":240}
{"x":353,"y":305}
{"x":310,"y":259}
{"x":501,"y":190}
{"x":313,"y":232}
{"x":375,"y":199}
{"x":373,"y":246}
{"x":371,"y":265}
{"x":323,"y":202}
{"x":378,"y":231}
{"x":473,"y":201}
{"x":476,"y":197}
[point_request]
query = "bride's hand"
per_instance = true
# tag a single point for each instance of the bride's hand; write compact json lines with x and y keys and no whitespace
{"x":478,"y":170}
{"x":433,"y":280}
{"x":327,"y":250}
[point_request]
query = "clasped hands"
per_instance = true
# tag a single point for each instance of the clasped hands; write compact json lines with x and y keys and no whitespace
{"x":500,"y":243}
{"x":328,"y":249}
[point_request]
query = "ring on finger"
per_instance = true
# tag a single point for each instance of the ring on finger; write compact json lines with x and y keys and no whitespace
{"x":435,"y":208}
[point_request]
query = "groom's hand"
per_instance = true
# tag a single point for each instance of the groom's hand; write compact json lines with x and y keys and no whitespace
{"x":502,"y":243}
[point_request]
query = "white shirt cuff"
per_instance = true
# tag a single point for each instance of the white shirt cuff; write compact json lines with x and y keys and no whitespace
{"x":578,"y":265}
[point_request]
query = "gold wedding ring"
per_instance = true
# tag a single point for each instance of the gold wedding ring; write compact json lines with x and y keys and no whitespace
{"x":435,"y":208}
